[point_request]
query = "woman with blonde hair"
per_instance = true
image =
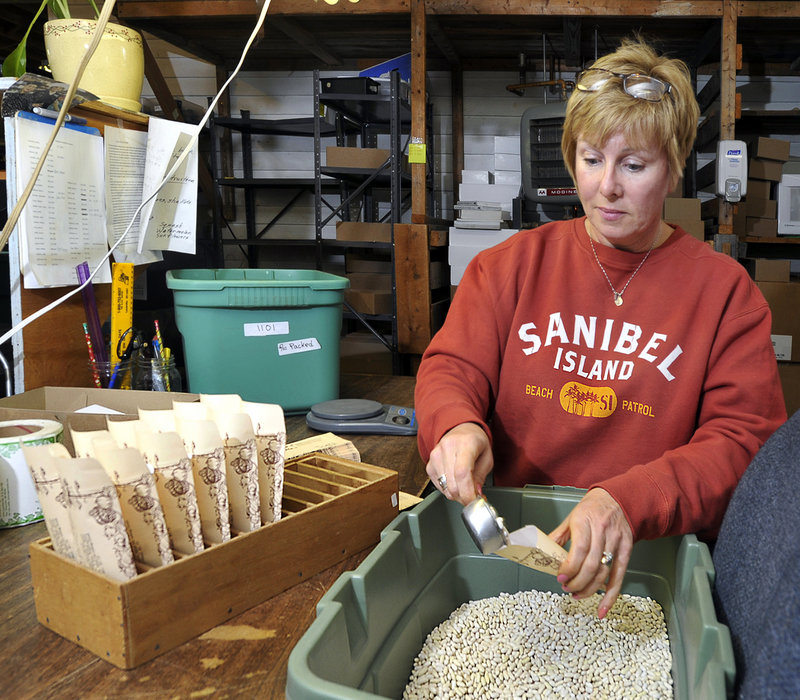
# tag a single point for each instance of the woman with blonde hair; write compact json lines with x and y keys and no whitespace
{"x":612,"y":352}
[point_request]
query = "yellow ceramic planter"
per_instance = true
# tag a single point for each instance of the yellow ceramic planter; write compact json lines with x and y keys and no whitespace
{"x":116,"y":70}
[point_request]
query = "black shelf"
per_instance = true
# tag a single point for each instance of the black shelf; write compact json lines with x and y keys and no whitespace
{"x":300,"y":126}
{"x":373,"y":111}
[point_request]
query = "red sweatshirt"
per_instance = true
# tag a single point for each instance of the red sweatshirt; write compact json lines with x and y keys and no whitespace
{"x":662,"y":401}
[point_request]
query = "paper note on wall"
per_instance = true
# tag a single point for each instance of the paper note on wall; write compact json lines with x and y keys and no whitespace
{"x":63,"y":222}
{"x":125,"y":153}
{"x":169,"y":219}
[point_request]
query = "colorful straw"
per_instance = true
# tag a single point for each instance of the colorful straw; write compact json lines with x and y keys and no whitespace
{"x":90,"y":309}
{"x":92,"y":359}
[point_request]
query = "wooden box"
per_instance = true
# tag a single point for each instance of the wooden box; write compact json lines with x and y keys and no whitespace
{"x":332,"y":508}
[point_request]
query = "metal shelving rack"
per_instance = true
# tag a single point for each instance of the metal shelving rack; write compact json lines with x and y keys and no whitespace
{"x":368,"y":116}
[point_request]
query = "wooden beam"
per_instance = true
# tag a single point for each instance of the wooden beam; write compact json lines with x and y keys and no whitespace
{"x":305,"y":39}
{"x":419,"y":106}
{"x":141,"y":9}
{"x":605,"y":8}
{"x":412,"y":287}
{"x":442,"y":41}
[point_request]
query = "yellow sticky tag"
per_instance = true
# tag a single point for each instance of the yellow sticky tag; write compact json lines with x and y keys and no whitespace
{"x":416,"y":153}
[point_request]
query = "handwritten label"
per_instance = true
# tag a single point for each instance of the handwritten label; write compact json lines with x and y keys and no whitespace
{"x":259,"y":329}
{"x":292,"y":347}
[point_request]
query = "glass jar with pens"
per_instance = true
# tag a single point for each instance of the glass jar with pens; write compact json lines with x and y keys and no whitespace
{"x":156,"y":374}
{"x":154,"y":366}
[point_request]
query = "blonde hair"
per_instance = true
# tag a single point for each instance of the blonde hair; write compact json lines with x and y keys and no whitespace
{"x":670,"y":124}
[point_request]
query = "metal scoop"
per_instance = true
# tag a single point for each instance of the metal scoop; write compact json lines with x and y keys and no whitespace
{"x":484,"y":524}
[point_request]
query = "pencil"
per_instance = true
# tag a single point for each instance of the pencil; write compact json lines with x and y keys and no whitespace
{"x":163,"y":354}
{"x":92,"y":359}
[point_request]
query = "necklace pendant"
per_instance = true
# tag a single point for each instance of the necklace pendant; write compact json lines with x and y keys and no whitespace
{"x":618,"y":298}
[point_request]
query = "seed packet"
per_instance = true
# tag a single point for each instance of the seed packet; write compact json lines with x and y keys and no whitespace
{"x":98,"y":527}
{"x":241,"y":465}
{"x":43,"y":461}
{"x":204,"y":446}
{"x":165,"y":454}
{"x":138,"y":497}
{"x":269,"y":426}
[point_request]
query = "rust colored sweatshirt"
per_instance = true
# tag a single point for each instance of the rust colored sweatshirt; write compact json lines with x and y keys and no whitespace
{"x":662,"y":401}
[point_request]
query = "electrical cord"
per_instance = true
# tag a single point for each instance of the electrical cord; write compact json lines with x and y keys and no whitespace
{"x":104,"y":14}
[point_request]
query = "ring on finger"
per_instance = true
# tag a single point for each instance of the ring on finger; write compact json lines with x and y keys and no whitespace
{"x":442,"y":482}
{"x":607,"y":559}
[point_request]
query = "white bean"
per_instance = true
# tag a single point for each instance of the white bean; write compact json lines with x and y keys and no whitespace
{"x":535,"y":644}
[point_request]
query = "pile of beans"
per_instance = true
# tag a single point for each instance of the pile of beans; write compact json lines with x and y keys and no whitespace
{"x":536,"y":644}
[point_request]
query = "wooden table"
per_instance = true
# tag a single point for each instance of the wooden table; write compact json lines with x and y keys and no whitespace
{"x":245,"y":657}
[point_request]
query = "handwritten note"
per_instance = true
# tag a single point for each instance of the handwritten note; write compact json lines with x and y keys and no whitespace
{"x":169,"y":220}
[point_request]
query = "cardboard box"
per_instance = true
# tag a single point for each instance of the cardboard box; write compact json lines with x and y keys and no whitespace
{"x":681,"y":208}
{"x":790,"y":380}
{"x":771,"y":149}
{"x":784,"y":302}
{"x":333,"y":509}
{"x":761,"y":228}
{"x":695,"y":227}
{"x":67,"y":406}
{"x":347,"y":157}
{"x":768,"y":270}
{"x":763,"y":169}
{"x":363,"y":231}
{"x":370,"y":302}
{"x":362,"y":353}
{"x":354,"y":262}
{"x":761,"y":208}
{"x":370,"y":281}
{"x":759,"y":189}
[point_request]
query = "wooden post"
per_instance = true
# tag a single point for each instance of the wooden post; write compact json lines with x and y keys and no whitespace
{"x":418,"y":110}
{"x":412,"y":287}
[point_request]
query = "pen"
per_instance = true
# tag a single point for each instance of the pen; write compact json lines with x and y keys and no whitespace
{"x":52,"y":114}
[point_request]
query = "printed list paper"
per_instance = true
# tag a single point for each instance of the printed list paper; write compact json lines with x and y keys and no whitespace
{"x":125,"y":153}
{"x":63,"y":222}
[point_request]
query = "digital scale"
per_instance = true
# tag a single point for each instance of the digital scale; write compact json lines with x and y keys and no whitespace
{"x":361,"y":416}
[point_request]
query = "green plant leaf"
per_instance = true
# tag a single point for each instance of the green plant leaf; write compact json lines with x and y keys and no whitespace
{"x":17,"y":61}
{"x":60,"y":8}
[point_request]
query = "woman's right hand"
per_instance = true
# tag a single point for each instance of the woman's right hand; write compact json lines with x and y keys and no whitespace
{"x":464,"y":458}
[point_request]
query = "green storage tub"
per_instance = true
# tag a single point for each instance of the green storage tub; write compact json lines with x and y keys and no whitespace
{"x":373,"y":621}
{"x":268,"y":335}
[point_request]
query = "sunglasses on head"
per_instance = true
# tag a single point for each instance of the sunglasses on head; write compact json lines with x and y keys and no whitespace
{"x":638,"y":86}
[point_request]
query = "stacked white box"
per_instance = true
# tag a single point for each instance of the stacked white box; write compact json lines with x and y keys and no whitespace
{"x":466,"y":244}
{"x":476,"y":177}
{"x":501,"y":194}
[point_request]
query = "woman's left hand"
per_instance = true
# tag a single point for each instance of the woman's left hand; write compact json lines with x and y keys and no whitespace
{"x":596,"y":525}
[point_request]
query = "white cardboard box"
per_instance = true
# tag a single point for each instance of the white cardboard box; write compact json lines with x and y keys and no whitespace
{"x":476,"y":177}
{"x":506,"y":144}
{"x":508,"y":177}
{"x":506,"y":161}
{"x":503,"y":194}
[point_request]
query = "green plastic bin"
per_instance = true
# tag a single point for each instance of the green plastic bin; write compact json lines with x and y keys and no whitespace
{"x":268,"y":335}
{"x":374,"y":620}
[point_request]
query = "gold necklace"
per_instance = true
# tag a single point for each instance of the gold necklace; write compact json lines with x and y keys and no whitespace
{"x":618,"y":294}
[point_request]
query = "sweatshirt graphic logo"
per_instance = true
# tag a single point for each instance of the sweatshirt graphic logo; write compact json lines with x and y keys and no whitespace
{"x":589,"y":401}
{"x":600,"y":349}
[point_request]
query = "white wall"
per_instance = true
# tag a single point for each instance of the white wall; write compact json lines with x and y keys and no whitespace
{"x":489,"y":110}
